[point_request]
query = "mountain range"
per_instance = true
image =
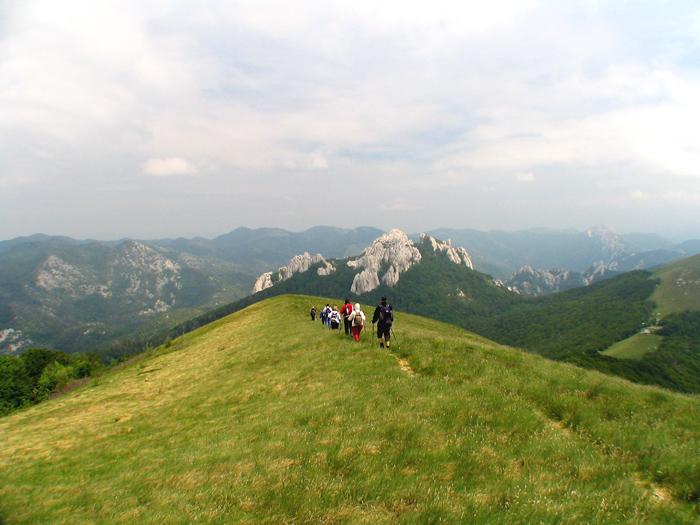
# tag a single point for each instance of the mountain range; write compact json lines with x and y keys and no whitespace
{"x":74,"y":295}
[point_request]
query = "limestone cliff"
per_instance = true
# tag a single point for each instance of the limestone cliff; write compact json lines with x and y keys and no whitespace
{"x":298,"y":264}
{"x":456,"y":255}
{"x":393,"y":249}
{"x":528,"y":281}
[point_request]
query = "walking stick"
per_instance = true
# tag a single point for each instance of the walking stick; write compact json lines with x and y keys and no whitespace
{"x":394,"y":336}
{"x":372,"y":334}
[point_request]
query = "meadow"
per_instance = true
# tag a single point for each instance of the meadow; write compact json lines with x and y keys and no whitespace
{"x":266,"y":417}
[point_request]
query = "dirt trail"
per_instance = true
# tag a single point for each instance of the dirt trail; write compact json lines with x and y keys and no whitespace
{"x":406,"y":366}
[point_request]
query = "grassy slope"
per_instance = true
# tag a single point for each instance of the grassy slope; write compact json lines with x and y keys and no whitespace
{"x":634,"y":347}
{"x":680,"y":286}
{"x":678,"y":290}
{"x":265,"y":417}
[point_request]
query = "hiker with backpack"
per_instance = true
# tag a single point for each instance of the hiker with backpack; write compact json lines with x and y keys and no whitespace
{"x":335,"y":319}
{"x":345,"y":311}
{"x":357,"y":321}
{"x":325,"y":314}
{"x":313,"y":313}
{"x":384,"y":317}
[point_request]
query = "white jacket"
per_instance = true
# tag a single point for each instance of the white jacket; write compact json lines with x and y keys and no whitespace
{"x":355,"y":313}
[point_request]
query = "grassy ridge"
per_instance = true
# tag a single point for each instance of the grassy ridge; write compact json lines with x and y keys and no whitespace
{"x":265,"y":417}
{"x":635,"y":347}
{"x":680,"y":286}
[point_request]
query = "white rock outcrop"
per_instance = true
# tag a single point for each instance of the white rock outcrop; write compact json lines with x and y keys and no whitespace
{"x":326,"y":270}
{"x":365,"y":281}
{"x":457,"y":255}
{"x":528,"y":281}
{"x":393,"y":248}
{"x":298,"y":264}
{"x":263,"y":282}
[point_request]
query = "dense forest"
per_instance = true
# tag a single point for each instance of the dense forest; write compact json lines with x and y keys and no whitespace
{"x":38,"y":373}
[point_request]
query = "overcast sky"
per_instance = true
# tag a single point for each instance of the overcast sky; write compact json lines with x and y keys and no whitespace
{"x":153,"y":119}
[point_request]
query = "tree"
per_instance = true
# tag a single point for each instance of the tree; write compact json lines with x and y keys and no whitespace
{"x":15,"y":384}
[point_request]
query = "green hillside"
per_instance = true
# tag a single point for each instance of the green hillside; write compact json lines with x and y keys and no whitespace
{"x":679,"y":289}
{"x":265,"y":417}
{"x":671,"y":354}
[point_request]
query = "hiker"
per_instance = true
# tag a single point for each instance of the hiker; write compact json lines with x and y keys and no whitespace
{"x":313,"y":313}
{"x":325,"y":313}
{"x":345,"y":311}
{"x":357,"y":321}
{"x":334,"y":318}
{"x":384,"y":317}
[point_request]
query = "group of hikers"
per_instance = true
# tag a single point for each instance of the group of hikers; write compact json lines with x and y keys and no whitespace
{"x":353,"y":319}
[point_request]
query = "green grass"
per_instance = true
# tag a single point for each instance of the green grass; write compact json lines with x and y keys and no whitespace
{"x":679,"y":289}
{"x":634,"y":347}
{"x":265,"y":417}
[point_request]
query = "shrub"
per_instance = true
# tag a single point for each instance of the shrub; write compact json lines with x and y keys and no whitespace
{"x":53,"y":379}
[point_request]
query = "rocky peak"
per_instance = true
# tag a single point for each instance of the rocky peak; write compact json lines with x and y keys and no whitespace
{"x":55,"y":274}
{"x":612,"y":244}
{"x":394,"y":249}
{"x":298,"y":264}
{"x":457,"y":255}
{"x":528,"y":281}
{"x":135,"y":255}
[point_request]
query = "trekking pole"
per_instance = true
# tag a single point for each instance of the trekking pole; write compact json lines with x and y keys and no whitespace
{"x":372,"y":334}
{"x":395,"y":339}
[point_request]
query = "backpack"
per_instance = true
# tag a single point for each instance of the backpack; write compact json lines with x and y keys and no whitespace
{"x":386,"y":315}
{"x":358,"y":319}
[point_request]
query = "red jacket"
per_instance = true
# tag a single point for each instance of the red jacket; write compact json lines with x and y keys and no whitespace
{"x":346,"y":309}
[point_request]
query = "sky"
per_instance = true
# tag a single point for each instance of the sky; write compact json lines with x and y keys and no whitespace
{"x":154,"y":118}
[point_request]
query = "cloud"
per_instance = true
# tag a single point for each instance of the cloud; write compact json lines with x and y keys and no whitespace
{"x":319,"y":161}
{"x":454,"y":102}
{"x":525,"y":177}
{"x":640,"y":195}
{"x":680,"y":197}
{"x":166,"y":167}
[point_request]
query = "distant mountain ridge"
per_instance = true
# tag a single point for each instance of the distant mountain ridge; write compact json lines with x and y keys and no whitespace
{"x":501,"y":253}
{"x":72,"y":296}
{"x":269,"y":248}
{"x":542,"y":261}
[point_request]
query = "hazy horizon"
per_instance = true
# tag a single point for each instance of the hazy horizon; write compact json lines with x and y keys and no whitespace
{"x":409,"y":233}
